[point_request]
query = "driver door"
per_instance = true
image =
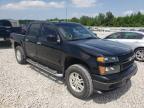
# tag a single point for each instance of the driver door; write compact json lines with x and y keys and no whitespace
{"x":49,"y":50}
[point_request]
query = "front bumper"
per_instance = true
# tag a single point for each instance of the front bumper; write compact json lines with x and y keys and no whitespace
{"x":110,"y":82}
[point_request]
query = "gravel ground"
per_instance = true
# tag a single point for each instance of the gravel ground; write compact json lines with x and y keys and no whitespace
{"x":23,"y":86}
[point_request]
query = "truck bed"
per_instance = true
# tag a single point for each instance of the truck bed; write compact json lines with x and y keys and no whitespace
{"x":17,"y":37}
{"x":6,"y":31}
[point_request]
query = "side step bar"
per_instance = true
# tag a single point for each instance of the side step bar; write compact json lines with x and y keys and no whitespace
{"x":44,"y":68}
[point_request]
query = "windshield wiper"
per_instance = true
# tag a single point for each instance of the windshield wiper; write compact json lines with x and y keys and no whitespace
{"x":84,"y":38}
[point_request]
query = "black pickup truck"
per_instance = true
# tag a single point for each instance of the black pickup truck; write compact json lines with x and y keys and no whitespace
{"x":71,"y":51}
{"x":7,"y":27}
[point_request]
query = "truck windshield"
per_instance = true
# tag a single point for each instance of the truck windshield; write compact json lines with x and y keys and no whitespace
{"x":75,"y":32}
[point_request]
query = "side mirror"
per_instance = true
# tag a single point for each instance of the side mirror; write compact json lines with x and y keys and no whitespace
{"x":53,"y":38}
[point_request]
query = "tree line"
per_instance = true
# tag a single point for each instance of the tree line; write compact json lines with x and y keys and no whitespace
{"x":107,"y":19}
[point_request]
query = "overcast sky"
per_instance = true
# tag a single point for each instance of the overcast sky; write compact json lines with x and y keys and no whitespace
{"x":44,"y":9}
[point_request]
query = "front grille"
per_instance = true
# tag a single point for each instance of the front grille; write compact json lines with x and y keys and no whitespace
{"x":127,"y":65}
{"x":126,"y":61}
{"x":125,"y":57}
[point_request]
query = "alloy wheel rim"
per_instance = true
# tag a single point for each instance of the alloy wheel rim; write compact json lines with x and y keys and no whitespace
{"x":140,"y":55}
{"x":76,"y":82}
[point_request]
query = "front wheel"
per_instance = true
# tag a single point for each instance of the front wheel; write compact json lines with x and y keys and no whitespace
{"x":20,"y":55}
{"x":139,"y":54}
{"x":79,"y":81}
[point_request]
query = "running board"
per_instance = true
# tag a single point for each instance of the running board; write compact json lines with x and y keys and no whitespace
{"x":44,"y":68}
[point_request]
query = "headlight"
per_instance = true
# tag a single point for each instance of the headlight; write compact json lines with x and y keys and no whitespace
{"x":111,"y":59}
{"x":113,"y":69}
{"x":107,"y":59}
{"x":109,"y":69}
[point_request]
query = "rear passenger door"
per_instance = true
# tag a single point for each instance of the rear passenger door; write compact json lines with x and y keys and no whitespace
{"x":31,"y":40}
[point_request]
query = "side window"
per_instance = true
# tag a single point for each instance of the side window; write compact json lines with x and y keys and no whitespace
{"x":49,"y":31}
{"x":139,"y":36}
{"x":131,"y":35}
{"x":34,"y":30}
{"x":114,"y":36}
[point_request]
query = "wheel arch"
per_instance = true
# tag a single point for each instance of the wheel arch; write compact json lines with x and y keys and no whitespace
{"x":72,"y":60}
{"x":18,"y":44}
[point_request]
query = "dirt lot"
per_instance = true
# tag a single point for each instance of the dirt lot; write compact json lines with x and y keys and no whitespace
{"x":23,"y":86}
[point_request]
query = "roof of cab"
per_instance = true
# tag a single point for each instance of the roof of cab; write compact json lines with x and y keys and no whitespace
{"x":55,"y":22}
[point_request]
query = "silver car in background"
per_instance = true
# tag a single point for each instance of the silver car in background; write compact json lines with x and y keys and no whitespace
{"x":134,"y":39}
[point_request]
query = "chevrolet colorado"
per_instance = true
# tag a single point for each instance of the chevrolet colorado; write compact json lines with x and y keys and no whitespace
{"x":71,"y":51}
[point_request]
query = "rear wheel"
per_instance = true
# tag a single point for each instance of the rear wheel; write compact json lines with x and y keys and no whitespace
{"x":20,"y":55}
{"x":79,"y":81}
{"x":139,"y":54}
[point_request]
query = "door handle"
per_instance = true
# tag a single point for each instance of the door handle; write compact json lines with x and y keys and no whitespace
{"x":38,"y":43}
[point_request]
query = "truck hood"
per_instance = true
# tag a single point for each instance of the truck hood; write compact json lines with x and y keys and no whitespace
{"x":103,"y":47}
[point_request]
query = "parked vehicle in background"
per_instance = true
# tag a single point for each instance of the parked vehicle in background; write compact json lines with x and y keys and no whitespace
{"x":71,"y":51}
{"x":7,"y":27}
{"x":141,"y":30}
{"x":135,"y":39}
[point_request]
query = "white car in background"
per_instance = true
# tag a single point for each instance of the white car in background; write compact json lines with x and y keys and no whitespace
{"x":135,"y":39}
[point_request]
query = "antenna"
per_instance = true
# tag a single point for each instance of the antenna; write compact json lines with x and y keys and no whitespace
{"x":66,"y":15}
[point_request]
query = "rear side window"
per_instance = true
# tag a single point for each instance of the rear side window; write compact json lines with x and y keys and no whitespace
{"x":114,"y":36}
{"x":34,"y":30}
{"x":49,"y":30}
{"x":131,"y":35}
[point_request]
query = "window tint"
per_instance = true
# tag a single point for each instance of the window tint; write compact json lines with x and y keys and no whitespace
{"x":114,"y":36}
{"x":131,"y":35}
{"x":49,"y":30}
{"x":34,"y":30}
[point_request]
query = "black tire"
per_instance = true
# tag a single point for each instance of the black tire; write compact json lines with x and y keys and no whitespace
{"x":22,"y":59}
{"x":84,"y":73}
{"x":136,"y":52}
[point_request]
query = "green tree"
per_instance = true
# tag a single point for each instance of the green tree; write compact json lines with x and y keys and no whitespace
{"x":100,"y":19}
{"x":74,"y":19}
{"x":107,"y":19}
